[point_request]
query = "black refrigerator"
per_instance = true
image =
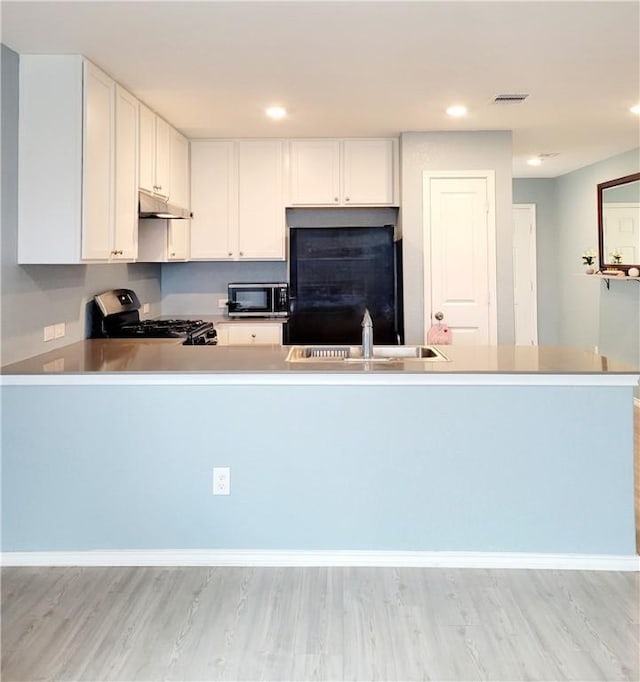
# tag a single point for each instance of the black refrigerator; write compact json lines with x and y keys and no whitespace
{"x":335,"y":273}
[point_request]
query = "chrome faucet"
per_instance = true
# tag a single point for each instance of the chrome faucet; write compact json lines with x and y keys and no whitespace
{"x":367,"y":335}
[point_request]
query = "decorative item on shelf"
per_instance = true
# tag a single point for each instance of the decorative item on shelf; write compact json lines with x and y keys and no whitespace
{"x":633,"y":272}
{"x":588,"y":258}
{"x":439,"y":334}
{"x":616,"y":257}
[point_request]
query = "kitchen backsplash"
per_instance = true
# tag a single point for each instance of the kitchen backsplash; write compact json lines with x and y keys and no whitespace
{"x":195,"y":288}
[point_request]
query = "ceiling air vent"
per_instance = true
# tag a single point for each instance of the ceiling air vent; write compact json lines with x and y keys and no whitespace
{"x":509,"y":99}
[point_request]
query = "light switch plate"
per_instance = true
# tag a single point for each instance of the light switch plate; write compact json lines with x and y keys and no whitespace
{"x":49,"y":333}
{"x":59,"y":330}
{"x":222,"y":303}
{"x":145,"y":308}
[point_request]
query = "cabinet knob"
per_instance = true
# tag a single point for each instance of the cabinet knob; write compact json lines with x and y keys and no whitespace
{"x":336,"y":199}
{"x":346,"y":198}
{"x":230,"y":253}
{"x":242,"y":253}
{"x":173,"y":254}
{"x":253,"y":336}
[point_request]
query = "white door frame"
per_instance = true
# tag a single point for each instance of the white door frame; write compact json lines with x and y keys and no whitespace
{"x":490,"y":177}
{"x":533,"y":263}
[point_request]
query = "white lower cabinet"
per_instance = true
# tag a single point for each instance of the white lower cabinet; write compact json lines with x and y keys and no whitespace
{"x":247,"y":334}
{"x":77,"y":157}
{"x":237,"y":200}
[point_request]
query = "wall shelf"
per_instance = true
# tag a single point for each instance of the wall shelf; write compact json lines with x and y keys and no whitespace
{"x":606,"y":278}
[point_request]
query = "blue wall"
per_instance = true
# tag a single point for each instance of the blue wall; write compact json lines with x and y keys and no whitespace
{"x":516,"y":469}
{"x":573,"y":309}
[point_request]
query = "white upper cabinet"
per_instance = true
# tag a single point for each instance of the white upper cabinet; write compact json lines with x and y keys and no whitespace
{"x":237,"y":200}
{"x":75,"y":131}
{"x":168,"y":240}
{"x":261,"y":215}
{"x":155,"y":153}
{"x":180,"y":171}
{"x":315,"y":172}
{"x":214,"y":198}
{"x":162,"y":241}
{"x":99,"y":164}
{"x":163,"y":157}
{"x":368,"y":172}
{"x":360,"y":172}
{"x":147,"y":156}
{"x":178,"y":240}
{"x":126,"y":174}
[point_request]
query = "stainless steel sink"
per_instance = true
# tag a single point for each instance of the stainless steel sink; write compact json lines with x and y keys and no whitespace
{"x":339,"y":354}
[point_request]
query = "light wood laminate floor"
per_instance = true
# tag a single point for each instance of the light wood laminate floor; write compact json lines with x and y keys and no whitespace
{"x":318,"y":624}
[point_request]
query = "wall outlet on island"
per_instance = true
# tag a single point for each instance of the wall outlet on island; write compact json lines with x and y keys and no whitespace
{"x":221,"y":481}
{"x":145,"y":308}
{"x":222,"y":303}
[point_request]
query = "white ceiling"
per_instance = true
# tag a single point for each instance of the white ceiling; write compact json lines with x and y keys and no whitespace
{"x":365,"y":68}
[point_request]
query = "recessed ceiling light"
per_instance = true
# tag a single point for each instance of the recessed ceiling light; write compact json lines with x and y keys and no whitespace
{"x":535,"y":161}
{"x":635,"y":109}
{"x":457,"y":110}
{"x":276,"y":112}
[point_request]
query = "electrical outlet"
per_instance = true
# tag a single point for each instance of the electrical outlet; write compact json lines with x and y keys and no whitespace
{"x":49,"y":333}
{"x":145,"y":308}
{"x":221,"y":481}
{"x":222,"y":303}
{"x":59,"y":330}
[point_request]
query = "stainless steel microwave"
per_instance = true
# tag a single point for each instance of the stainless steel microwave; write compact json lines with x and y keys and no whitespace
{"x":258,"y":299}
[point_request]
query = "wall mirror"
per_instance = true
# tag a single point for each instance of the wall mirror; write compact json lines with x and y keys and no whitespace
{"x":619,"y":222}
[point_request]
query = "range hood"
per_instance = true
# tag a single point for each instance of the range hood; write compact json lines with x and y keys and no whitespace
{"x":154,"y":207}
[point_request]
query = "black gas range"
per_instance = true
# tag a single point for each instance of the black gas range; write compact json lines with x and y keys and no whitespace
{"x":116,"y":315}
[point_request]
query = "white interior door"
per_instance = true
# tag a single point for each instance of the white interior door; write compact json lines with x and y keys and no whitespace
{"x":525,"y":294}
{"x":460,"y":256}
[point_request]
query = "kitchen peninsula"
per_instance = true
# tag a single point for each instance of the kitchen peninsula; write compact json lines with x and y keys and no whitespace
{"x":109,"y":446}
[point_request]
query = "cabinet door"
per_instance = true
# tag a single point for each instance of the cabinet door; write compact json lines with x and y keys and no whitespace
{"x":178,"y":239}
{"x":213,"y":200}
{"x":245,"y":334}
{"x":147,"y":147}
{"x":163,"y":158}
{"x":179,"y":183}
{"x":125,"y":229}
{"x":261,"y":216}
{"x":368,"y":172}
{"x":98,"y":157}
{"x":315,"y":172}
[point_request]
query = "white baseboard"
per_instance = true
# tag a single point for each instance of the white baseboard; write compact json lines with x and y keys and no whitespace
{"x":223,"y":557}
